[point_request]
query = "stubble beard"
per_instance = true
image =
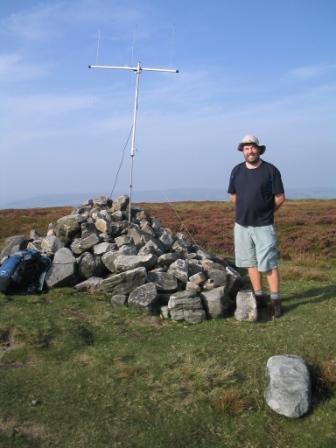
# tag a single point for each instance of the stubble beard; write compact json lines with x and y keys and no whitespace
{"x":252,"y":159}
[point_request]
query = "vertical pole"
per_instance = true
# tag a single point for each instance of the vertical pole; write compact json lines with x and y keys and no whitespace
{"x":135,"y":111}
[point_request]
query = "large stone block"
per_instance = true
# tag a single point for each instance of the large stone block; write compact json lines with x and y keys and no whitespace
{"x":126,"y":262}
{"x":186,"y":305}
{"x":216,"y":302}
{"x":13,"y":244}
{"x":80,"y":245}
{"x":63,"y":269}
{"x":164,"y":281}
{"x":246,"y":306}
{"x":124,"y":282}
{"x":68,"y":228}
{"x":288,"y":390}
{"x":143,"y":296}
{"x":179,"y":269}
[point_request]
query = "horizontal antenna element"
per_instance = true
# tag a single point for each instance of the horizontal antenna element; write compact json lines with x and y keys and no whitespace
{"x":137,"y":70}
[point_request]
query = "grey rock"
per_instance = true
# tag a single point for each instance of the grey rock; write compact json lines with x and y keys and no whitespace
{"x":87,"y":265}
{"x":63,"y":256}
{"x":288,"y":390}
{"x":156,"y":226}
{"x":35,"y":245}
{"x":164,"y":312}
{"x":164,"y":281}
{"x":209,"y":265}
{"x":216,"y":302}
{"x":151,"y":247}
{"x":246,"y":306}
{"x":102,"y":248}
{"x":234,"y":279}
{"x":194,"y":266}
{"x":122,"y":240}
{"x":80,"y":245}
{"x":179,"y":269}
{"x":194,"y":316}
{"x":143,"y":296}
{"x":118,"y":215}
{"x":124,"y":282}
{"x":102,"y":201}
{"x":51,"y":244}
{"x":119,"y":299}
{"x":87,"y":228}
{"x":141,"y":215}
{"x":102,"y":225}
{"x":190,"y":286}
{"x":13,"y":244}
{"x":185,"y":305}
{"x":68,"y":228}
{"x":146,"y":227}
{"x":218,"y":276}
{"x":127,"y":262}
{"x":121,"y":203}
{"x":128,"y":249}
{"x":167,"y":259}
{"x":203,"y":255}
{"x":180,"y":248}
{"x":108,"y":260}
{"x":63,"y":269}
{"x":198,"y":278}
{"x":167,"y":239}
{"x":90,"y":285}
{"x":208,"y":285}
{"x":139,"y":237}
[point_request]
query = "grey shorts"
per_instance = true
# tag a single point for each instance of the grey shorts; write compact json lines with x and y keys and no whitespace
{"x":255,"y":247}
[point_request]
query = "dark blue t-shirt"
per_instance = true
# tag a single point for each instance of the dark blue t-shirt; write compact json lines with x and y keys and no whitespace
{"x":255,"y":189}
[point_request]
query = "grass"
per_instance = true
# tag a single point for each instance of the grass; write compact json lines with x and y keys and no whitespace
{"x":78,"y":372}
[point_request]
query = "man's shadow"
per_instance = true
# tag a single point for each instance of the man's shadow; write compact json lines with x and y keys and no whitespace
{"x":292,"y":301}
{"x":313,"y":295}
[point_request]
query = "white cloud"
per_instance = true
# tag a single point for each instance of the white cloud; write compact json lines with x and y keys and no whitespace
{"x":44,"y":22}
{"x":310,"y":71}
{"x":13,"y":68}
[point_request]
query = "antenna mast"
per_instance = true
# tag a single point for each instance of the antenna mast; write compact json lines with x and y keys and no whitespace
{"x":137,"y":70}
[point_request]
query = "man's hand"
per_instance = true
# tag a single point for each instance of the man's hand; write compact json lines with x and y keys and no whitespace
{"x":233,"y":198}
{"x":279,"y":199}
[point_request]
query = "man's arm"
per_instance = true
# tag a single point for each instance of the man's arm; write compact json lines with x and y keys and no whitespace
{"x":233,"y":198}
{"x":279,"y":199}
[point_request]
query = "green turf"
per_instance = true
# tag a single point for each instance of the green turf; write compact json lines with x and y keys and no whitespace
{"x":77,"y":372}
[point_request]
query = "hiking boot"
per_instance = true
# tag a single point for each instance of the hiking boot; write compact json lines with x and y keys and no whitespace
{"x":276,"y":309}
{"x":262,"y":300}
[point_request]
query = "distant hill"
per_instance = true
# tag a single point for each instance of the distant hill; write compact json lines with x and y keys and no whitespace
{"x":170,"y":195}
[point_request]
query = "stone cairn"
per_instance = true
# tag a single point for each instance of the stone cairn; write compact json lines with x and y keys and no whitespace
{"x":96,"y":249}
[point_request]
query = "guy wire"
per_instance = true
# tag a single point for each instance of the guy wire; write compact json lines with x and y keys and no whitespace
{"x":121,"y":162}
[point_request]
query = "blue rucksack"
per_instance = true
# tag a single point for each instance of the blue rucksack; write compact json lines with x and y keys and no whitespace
{"x":23,"y":272}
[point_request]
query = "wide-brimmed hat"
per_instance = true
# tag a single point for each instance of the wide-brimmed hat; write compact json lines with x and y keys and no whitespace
{"x":251,"y":140}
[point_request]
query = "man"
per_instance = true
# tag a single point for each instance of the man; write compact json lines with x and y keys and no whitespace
{"x":257,"y":191}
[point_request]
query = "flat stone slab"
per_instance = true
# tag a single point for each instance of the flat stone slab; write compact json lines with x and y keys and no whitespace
{"x":288,"y":390}
{"x":125,"y":282}
{"x":246,"y":306}
{"x":127,"y":262}
{"x":216,"y":302}
{"x":143,"y":296}
{"x":92,"y":284}
{"x":164,"y":281}
{"x":186,"y":305}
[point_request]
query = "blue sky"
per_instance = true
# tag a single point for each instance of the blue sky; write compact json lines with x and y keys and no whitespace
{"x":261,"y":67}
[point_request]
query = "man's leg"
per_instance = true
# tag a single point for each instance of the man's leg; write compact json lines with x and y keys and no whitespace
{"x":255,"y":277}
{"x":273,"y":280}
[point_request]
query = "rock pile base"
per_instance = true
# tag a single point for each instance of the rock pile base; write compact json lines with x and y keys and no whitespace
{"x":141,"y":263}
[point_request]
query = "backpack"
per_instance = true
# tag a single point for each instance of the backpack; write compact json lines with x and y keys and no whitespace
{"x":24,"y":272}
